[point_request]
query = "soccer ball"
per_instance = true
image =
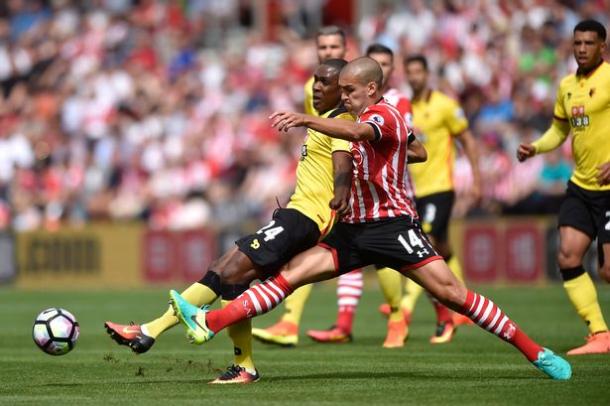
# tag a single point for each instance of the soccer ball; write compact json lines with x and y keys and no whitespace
{"x":55,"y":331}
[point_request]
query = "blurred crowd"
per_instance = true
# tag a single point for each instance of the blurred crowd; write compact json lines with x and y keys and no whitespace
{"x":157,"y":110}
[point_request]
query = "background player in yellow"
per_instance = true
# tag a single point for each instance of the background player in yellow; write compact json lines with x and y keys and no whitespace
{"x":582,"y":107}
{"x":324,"y":177}
{"x":438,"y":121}
{"x":330,"y":43}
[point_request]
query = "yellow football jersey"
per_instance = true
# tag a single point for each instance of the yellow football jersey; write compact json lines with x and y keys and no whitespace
{"x":315,"y":180}
{"x":438,"y":119}
{"x":584,"y":102}
{"x":308,"y":103}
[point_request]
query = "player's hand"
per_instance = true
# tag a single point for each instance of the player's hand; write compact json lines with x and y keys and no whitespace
{"x":340,"y":204}
{"x":604,"y":272}
{"x":525,"y":151}
{"x":476,"y":194}
{"x":603,"y":174}
{"x":284,"y":121}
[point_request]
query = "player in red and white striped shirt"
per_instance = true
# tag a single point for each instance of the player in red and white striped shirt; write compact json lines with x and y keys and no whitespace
{"x":383,"y":228}
{"x":349,"y":285}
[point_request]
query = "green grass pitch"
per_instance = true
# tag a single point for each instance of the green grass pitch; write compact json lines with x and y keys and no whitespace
{"x":476,"y":368}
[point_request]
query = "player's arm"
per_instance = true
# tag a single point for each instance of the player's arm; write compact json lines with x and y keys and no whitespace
{"x":551,"y":139}
{"x":336,"y":128}
{"x":416,"y":152}
{"x":472,"y":154}
{"x":342,"y":174}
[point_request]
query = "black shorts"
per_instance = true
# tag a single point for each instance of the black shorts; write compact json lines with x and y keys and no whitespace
{"x":289,"y":233}
{"x":435,"y":211}
{"x":587,"y":211}
{"x":398,"y":243}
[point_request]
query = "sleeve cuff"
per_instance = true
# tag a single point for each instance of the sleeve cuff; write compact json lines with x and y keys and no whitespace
{"x":376,"y":129}
{"x":411,"y":138}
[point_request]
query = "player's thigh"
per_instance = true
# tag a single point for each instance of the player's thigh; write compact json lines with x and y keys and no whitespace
{"x":577,"y":226}
{"x":287,"y":234}
{"x":314,"y":265}
{"x":341,"y":243}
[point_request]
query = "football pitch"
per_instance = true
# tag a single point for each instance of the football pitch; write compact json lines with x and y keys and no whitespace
{"x":476,"y":368}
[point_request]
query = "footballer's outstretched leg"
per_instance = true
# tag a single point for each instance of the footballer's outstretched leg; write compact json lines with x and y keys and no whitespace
{"x":436,"y":278}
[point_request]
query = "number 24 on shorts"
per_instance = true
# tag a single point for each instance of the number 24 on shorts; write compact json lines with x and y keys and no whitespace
{"x":270,"y":231}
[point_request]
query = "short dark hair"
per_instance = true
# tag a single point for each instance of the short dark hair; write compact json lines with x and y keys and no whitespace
{"x":335,"y":63}
{"x":331,"y":30}
{"x":409,"y":59}
{"x":379,"y":49}
{"x":592,"y":25}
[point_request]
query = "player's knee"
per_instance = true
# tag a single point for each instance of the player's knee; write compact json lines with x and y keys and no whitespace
{"x":232,"y":270}
{"x":568,"y":258}
{"x":226,"y":271}
{"x":234,"y":275}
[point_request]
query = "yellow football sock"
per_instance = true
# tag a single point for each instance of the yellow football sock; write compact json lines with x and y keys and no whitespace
{"x":412,"y":293}
{"x":197,"y":294}
{"x":456,"y":267}
{"x":295,"y":303}
{"x":241,"y":335}
{"x":583,"y":296}
{"x":390,"y":283}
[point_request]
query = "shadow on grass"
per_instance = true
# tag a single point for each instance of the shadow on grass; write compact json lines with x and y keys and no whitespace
{"x":329,"y":376}
{"x":129,"y":382}
{"x":387,"y":375}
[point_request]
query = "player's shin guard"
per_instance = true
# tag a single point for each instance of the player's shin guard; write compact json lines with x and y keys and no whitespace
{"x":240,"y":334}
{"x":389,"y":281}
{"x":412,"y":292}
{"x":199,"y":293}
{"x":295,"y":304}
{"x":582,"y":294}
{"x":257,"y":300}
{"x":455,"y":266}
{"x":349,"y":290}
{"x":489,"y":316}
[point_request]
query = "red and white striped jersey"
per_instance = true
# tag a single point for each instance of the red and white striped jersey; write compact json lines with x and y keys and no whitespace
{"x":402,"y":104}
{"x":380,"y":186}
{"x":404,"y":107}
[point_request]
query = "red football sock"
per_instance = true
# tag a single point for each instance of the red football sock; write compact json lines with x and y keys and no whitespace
{"x":349,"y":290}
{"x":258,"y":299}
{"x":486,"y":314}
{"x":443,"y":314}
